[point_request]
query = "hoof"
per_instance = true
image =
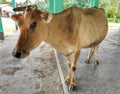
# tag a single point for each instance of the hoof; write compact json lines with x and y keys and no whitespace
{"x":72,"y":87}
{"x":87,"y":61}
{"x":67,"y":81}
{"x":96,"y":62}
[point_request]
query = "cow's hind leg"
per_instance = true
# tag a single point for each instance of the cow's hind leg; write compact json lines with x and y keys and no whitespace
{"x":73,"y":69}
{"x":68,"y":78}
{"x":90,"y":54}
{"x":96,"y":55}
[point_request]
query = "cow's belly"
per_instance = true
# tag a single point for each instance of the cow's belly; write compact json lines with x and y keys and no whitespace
{"x":64,"y":49}
{"x":92,"y":41}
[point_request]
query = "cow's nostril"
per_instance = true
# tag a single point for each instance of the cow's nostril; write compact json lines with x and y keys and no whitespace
{"x":16,"y":54}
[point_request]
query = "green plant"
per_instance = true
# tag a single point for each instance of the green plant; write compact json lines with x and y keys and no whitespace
{"x":116,"y":20}
{"x":112,"y":9}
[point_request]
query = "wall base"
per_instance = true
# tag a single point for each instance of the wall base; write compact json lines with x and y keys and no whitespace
{"x":2,"y":36}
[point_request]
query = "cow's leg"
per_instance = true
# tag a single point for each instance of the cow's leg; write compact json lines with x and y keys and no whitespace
{"x":68,"y":78}
{"x":73,"y":69}
{"x":96,"y":55}
{"x":90,"y":54}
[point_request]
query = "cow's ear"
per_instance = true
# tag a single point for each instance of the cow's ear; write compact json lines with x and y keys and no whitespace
{"x":16,"y":17}
{"x":46,"y":17}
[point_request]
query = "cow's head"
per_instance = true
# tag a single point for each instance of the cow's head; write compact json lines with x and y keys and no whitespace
{"x":33,"y":29}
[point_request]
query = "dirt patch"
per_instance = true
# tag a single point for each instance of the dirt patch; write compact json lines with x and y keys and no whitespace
{"x":10,"y":70}
{"x":39,"y":73}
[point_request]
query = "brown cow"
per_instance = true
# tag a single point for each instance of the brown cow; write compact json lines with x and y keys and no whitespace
{"x":68,"y":32}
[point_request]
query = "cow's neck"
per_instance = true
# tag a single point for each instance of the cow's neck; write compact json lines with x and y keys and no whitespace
{"x":59,"y":26}
{"x":59,"y":29}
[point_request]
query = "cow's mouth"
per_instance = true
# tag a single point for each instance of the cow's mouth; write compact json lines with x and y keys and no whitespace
{"x":20,"y":54}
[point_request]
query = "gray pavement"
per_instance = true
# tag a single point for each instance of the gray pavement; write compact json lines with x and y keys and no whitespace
{"x":101,"y":79}
{"x":36,"y":74}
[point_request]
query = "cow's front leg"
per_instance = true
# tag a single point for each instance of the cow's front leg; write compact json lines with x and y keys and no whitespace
{"x":73,"y":69}
{"x":68,"y":78}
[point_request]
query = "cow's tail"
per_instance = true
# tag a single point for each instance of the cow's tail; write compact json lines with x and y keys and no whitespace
{"x":99,"y":8}
{"x":102,"y":10}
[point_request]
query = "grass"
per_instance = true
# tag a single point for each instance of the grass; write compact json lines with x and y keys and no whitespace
{"x":117,"y":20}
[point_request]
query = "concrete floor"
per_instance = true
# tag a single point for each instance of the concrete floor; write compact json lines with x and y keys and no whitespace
{"x":101,"y":79}
{"x":36,"y":74}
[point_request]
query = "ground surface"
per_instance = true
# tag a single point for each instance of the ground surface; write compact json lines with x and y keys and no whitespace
{"x":37,"y":74}
{"x":101,"y":79}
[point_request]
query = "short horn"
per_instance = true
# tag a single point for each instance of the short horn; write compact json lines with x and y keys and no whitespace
{"x":20,"y":8}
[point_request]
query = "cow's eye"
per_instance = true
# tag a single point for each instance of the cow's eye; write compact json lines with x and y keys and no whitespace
{"x":33,"y":25}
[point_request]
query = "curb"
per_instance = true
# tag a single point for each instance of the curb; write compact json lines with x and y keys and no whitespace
{"x":65,"y":90}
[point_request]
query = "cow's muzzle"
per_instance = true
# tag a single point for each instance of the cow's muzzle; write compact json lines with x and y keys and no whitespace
{"x":17,"y":54}
{"x":20,"y":54}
